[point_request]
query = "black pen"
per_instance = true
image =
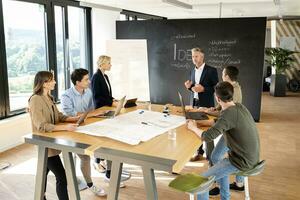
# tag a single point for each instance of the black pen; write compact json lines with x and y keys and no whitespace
{"x":152,"y":124}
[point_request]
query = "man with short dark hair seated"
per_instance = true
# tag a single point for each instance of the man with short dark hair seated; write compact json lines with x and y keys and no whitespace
{"x":241,"y":138}
{"x":75,"y":101}
{"x":229,"y":74}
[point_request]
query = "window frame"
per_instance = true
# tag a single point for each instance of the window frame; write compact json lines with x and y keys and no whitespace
{"x":88,"y":39}
{"x":3,"y":69}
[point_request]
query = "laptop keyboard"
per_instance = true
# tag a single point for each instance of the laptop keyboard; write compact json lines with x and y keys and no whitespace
{"x":196,"y":115}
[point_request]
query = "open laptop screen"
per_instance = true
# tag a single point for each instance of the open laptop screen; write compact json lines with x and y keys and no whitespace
{"x":82,"y":118}
{"x":182,"y":104}
{"x":120,"y":106}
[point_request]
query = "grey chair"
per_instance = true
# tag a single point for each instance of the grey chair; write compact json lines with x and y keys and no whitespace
{"x":252,"y":172}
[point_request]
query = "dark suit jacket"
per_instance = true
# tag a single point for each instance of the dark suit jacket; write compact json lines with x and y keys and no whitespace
{"x":209,"y":78}
{"x":101,"y":94}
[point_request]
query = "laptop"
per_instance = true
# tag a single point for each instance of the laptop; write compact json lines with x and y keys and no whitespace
{"x":191,"y":115}
{"x":82,"y":118}
{"x":111,"y":113}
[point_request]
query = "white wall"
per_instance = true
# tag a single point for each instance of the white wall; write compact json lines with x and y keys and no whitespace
{"x":104,"y":28}
{"x":12,"y":131}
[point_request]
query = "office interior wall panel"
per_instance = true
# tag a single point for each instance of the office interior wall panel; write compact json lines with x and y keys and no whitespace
{"x":288,"y":36}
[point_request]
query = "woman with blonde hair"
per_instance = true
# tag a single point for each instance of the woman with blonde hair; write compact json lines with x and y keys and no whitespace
{"x":101,"y":88}
{"x":102,"y":95}
{"x":45,"y":118}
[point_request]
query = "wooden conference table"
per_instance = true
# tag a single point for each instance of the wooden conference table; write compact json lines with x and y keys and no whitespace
{"x":159,"y":153}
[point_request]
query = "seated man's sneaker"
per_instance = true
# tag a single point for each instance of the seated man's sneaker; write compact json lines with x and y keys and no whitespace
{"x":233,"y":186}
{"x":97,"y":191}
{"x":124,"y":177}
{"x":214,"y":192}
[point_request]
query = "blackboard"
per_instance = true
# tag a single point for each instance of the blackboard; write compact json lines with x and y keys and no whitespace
{"x":230,"y":41}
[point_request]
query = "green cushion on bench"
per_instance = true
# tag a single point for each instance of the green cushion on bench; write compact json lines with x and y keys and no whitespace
{"x":187,"y":182}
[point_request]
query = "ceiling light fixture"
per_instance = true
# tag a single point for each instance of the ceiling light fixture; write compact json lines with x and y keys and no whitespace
{"x":178,"y":4}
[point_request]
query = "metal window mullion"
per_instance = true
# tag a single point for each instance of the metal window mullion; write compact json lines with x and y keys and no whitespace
{"x":66,"y":46}
{"x":4,"y":94}
{"x":52,"y":43}
{"x":46,"y":38}
{"x":89,"y":41}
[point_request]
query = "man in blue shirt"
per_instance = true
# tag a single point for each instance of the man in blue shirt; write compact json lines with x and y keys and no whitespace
{"x":75,"y":101}
{"x":79,"y":98}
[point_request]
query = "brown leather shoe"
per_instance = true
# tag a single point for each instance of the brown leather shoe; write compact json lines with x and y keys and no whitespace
{"x":197,"y":158}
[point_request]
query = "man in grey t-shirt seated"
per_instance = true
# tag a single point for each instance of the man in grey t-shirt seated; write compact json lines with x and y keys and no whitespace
{"x":240,"y":133}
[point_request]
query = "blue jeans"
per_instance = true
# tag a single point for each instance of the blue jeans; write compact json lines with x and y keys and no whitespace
{"x":221,"y":171}
{"x":218,"y":154}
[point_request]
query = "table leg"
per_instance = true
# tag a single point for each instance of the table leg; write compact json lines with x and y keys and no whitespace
{"x":115,"y":177}
{"x":150,"y":185}
{"x":71,"y":175}
{"x":40,"y":176}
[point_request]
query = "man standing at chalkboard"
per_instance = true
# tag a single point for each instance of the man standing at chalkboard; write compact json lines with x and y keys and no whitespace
{"x":202,"y":81}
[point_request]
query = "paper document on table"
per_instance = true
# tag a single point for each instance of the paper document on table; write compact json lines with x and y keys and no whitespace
{"x":134,"y":127}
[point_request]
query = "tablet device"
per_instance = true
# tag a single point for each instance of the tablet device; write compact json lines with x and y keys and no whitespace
{"x":130,"y":103}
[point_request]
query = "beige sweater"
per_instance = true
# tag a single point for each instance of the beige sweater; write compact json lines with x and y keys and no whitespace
{"x":44,"y":115}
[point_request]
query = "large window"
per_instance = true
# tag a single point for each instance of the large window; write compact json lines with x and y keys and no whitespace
{"x":77,"y":38}
{"x":25,"y":41}
{"x":40,"y":35}
{"x":71,"y":43}
{"x":60,"y":49}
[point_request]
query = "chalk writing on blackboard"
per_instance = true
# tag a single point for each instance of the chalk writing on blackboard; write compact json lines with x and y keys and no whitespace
{"x":181,"y":58}
{"x":220,"y":53}
{"x":181,"y":54}
{"x":187,"y":36}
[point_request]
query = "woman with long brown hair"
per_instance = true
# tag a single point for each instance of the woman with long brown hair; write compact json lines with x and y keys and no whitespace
{"x":45,"y":118}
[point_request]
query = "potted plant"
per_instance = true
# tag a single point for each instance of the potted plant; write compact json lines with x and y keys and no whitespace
{"x":281,"y":60}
